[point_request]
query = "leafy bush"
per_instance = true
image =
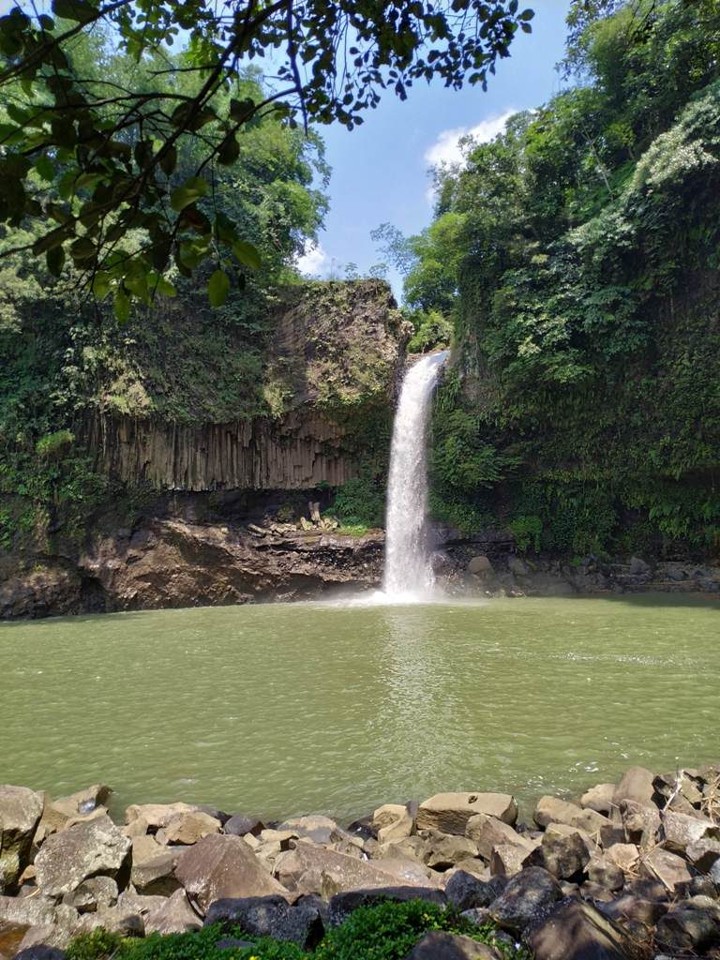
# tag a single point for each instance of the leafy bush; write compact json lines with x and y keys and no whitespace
{"x":360,"y":502}
{"x":527,"y":531}
{"x":389,"y":931}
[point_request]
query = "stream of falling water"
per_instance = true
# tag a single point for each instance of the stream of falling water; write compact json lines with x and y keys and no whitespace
{"x":408,"y":571}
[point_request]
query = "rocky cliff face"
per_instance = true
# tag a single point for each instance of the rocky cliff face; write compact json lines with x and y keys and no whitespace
{"x":334,"y":356}
{"x":172,"y":562}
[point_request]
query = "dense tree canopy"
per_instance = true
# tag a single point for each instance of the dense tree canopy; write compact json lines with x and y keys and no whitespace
{"x":99,"y":157}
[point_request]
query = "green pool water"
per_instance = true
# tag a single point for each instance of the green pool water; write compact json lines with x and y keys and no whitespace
{"x":287,"y":709}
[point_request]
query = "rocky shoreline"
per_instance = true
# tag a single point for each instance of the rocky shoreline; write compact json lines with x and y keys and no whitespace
{"x":631,"y":870}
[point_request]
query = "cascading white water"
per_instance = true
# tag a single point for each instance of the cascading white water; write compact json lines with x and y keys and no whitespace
{"x":408,"y":572}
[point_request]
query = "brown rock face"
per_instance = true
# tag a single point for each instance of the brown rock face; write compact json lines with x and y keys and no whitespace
{"x":450,"y":812}
{"x":93,"y":848}
{"x":20,"y":812}
{"x":448,"y":946}
{"x":220,"y":866}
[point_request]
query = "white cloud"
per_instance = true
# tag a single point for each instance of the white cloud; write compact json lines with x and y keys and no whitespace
{"x":447,"y":148}
{"x":313,"y":261}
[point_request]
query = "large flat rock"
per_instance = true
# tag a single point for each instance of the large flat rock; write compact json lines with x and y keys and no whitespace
{"x":450,"y":812}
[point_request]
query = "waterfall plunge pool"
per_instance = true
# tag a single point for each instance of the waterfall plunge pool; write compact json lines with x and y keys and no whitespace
{"x":286,"y":709}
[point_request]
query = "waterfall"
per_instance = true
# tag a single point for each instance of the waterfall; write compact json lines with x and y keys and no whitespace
{"x":408,"y":572}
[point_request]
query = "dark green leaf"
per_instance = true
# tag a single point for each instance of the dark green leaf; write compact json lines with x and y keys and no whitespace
{"x":218,"y":288}
{"x":247,"y":254}
{"x":193,"y":189}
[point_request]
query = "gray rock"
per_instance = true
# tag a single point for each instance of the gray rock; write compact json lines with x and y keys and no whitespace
{"x":563,"y":853}
{"x":92,"y":848}
{"x":552,"y":810}
{"x":188,"y":828}
{"x":26,"y":911}
{"x":92,"y":894}
{"x":465,"y":892}
{"x":157,"y":815}
{"x":343,"y":904}
{"x":313,"y":869}
{"x":526,"y":896}
{"x":666,"y":867}
{"x":703,"y":854}
{"x":507,"y":859}
{"x":20,"y":812}
{"x":450,"y":812}
{"x":487,"y":832}
{"x":175,"y":915}
{"x":40,"y":951}
{"x":443,"y":851}
{"x":636,"y":784}
{"x":437,"y":945}
{"x":83,"y":802}
{"x":300,"y":923}
{"x":221,"y":866}
{"x":679,"y":831}
{"x":238,"y":825}
{"x":605,"y":873}
{"x":599,"y":798}
{"x":692,"y":925}
{"x":153,"y":866}
{"x":392,"y":822}
{"x":578,"y":931}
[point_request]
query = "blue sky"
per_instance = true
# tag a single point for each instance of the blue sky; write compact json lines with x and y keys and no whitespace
{"x":380,"y":170}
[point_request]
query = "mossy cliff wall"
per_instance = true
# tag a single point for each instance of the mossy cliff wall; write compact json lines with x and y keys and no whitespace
{"x":332,"y":360}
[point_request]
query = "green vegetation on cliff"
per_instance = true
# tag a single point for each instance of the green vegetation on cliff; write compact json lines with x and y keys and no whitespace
{"x":583,"y":410}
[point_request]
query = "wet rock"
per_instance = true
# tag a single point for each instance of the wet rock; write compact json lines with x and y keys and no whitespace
{"x":175,"y":915}
{"x":188,"y":828}
{"x":437,"y":945}
{"x":392,"y":822}
{"x":11,"y":935}
{"x":524,"y":898}
{"x":450,"y":812}
{"x":83,"y":802}
{"x":300,"y":923}
{"x":480,"y":566}
{"x":84,"y":850}
{"x":578,"y":931}
{"x":599,"y":798}
{"x":239,"y":825}
{"x":343,"y":904}
{"x":465,"y":892}
{"x":222,"y":866}
{"x":20,"y":812}
{"x":636,"y":784}
{"x":692,"y":925}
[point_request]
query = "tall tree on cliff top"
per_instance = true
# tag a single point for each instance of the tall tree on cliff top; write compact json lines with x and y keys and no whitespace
{"x":106,"y":154}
